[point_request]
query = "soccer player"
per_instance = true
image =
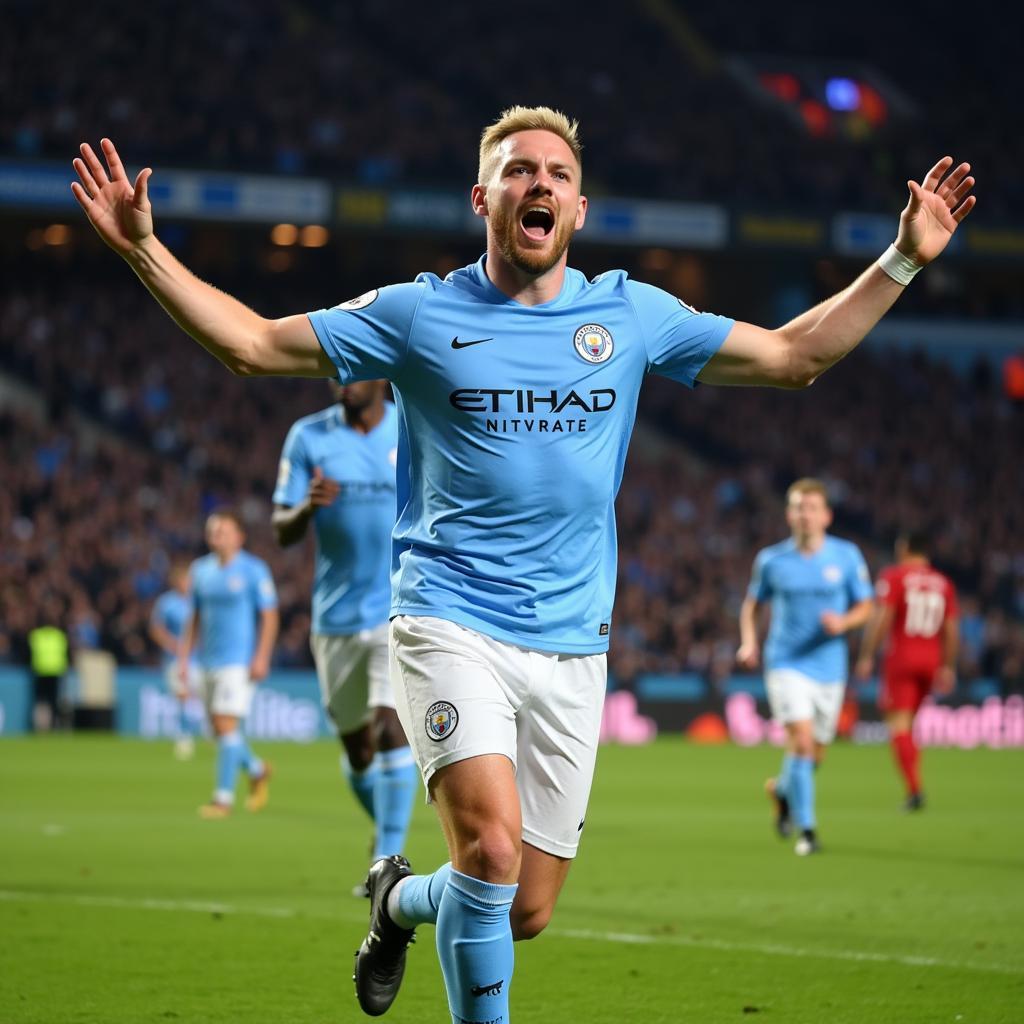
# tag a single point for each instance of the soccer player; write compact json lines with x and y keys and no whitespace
{"x":171,"y":611}
{"x":517,"y":381}
{"x":916,"y":621}
{"x":234,"y":624}
{"x":338,"y":472}
{"x":819,"y":589}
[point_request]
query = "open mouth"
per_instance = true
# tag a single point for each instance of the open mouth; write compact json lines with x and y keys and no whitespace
{"x":538,"y":222}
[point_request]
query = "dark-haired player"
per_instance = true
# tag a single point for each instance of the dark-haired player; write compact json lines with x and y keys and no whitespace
{"x":916,"y":623}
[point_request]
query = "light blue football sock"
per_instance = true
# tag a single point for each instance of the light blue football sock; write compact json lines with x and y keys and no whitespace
{"x":801,"y":792}
{"x":474,"y":945}
{"x":393,"y":794}
{"x":785,"y":775}
{"x":229,"y":758}
{"x":419,"y":897}
{"x":252,"y":764}
{"x":361,"y":783}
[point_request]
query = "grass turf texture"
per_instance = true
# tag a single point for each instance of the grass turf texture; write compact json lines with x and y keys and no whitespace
{"x":118,"y":904}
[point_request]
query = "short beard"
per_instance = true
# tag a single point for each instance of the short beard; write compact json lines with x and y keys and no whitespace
{"x":529,"y":261}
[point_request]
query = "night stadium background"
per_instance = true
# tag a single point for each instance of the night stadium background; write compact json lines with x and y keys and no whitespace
{"x":751,"y":160}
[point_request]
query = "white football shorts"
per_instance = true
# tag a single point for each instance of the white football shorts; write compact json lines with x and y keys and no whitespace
{"x":460,"y":694}
{"x":794,"y":697}
{"x":227,"y":690}
{"x":353,"y":675}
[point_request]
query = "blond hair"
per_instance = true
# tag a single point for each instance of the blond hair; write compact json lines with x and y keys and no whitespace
{"x":807,"y":485}
{"x":522,"y":119}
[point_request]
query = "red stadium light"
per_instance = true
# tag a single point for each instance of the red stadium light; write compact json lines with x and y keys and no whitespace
{"x":816,"y":117}
{"x":781,"y":84}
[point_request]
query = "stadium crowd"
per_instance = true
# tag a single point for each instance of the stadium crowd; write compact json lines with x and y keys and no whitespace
{"x":143,"y":433}
{"x":387,"y":92}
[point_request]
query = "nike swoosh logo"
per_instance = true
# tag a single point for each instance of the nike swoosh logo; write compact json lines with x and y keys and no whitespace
{"x":466,"y":344}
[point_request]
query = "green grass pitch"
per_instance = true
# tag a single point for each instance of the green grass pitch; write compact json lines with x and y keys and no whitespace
{"x":117,"y":904}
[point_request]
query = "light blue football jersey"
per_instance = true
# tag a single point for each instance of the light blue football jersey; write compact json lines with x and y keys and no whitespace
{"x":800,"y":587}
{"x":515,"y":423}
{"x":172,"y":610}
{"x":228,"y":599}
{"x":351,"y":588}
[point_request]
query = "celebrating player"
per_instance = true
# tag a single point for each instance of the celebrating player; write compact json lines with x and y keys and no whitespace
{"x":338,"y":471}
{"x":916,"y":622}
{"x":235,"y":622}
{"x":171,"y":612}
{"x":517,"y":380}
{"x":819,"y":590}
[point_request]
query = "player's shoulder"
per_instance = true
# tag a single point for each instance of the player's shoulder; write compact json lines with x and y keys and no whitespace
{"x":843,"y":547}
{"x":315,"y":422}
{"x":203,"y":562}
{"x":306,"y":429}
{"x":775,"y":551}
{"x":253,"y":562}
{"x":389,"y":304}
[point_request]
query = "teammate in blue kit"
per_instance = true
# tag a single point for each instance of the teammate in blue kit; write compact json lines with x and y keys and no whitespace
{"x":517,"y":380}
{"x":338,"y":471}
{"x":819,"y":590}
{"x":233,"y":625}
{"x":167,"y":621}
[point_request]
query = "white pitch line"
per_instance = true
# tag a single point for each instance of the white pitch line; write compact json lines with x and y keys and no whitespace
{"x":618,"y":938}
{"x":775,"y":949}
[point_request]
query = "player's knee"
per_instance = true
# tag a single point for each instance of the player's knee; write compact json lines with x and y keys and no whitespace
{"x":359,"y":749}
{"x":492,"y":854}
{"x":528,"y":922}
{"x":388,"y":729}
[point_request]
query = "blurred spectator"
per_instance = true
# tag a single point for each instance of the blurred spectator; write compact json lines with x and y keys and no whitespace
{"x":48,"y":647}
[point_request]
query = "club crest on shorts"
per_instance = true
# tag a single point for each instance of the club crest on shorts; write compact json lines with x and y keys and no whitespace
{"x":441,"y":720}
{"x":593,"y":343}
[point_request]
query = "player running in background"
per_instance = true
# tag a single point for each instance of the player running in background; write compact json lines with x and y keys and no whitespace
{"x":167,"y":622}
{"x":233,"y":626}
{"x":916,"y":622}
{"x":818,"y":589}
{"x":338,"y":471}
{"x":517,"y":380}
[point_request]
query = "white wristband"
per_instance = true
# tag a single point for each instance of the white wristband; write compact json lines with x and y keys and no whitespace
{"x":899,"y":267}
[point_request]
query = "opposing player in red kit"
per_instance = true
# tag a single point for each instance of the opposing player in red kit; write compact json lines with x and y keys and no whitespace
{"x":916,"y":620}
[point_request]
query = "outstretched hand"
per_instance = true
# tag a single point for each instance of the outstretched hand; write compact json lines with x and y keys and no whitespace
{"x":119,"y":211}
{"x":936,"y":209}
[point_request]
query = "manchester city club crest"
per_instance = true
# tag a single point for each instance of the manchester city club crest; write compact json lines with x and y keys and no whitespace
{"x":441,"y":720}
{"x":593,"y":343}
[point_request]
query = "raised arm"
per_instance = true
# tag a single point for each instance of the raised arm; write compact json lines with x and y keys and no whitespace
{"x":245,"y":342}
{"x":794,"y":355}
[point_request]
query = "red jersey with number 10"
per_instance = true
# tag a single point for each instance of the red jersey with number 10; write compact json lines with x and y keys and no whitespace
{"x":922,"y":599}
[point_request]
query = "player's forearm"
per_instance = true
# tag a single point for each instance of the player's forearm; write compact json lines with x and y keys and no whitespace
{"x":869,"y":641}
{"x":164,"y":639}
{"x":270,"y":621}
{"x":748,"y":623}
{"x":290,"y":524}
{"x":225,"y":327}
{"x":823,"y":335}
{"x":187,"y":640}
{"x":950,"y":643}
{"x":857,"y":616}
